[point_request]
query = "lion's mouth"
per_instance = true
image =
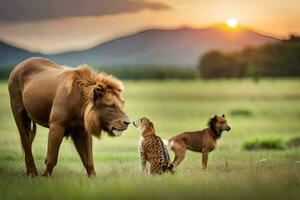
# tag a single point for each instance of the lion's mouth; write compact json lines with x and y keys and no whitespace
{"x":117,"y":131}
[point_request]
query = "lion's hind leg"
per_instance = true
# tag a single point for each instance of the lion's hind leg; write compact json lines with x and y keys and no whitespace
{"x":23,"y":123}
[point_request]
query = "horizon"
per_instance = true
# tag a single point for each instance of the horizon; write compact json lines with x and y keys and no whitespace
{"x":73,"y":25}
{"x":100,"y":42}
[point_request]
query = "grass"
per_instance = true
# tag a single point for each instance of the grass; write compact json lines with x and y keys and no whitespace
{"x":294,"y":142}
{"x":269,"y":143}
{"x":174,"y":106}
{"x":239,"y":112}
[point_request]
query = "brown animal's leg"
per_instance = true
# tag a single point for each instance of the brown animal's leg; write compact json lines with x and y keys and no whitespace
{"x":179,"y":151}
{"x":56,"y":134}
{"x":23,"y":123}
{"x":204,"y":159}
{"x":81,"y":144}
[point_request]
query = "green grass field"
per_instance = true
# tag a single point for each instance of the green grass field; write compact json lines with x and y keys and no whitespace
{"x":272,"y":108}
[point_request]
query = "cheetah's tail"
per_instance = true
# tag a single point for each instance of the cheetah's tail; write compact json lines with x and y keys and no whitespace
{"x":171,"y":168}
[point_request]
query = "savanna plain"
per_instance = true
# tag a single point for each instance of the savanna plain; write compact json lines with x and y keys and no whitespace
{"x":264,"y":108}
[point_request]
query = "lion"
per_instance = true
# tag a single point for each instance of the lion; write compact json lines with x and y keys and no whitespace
{"x":77,"y":102}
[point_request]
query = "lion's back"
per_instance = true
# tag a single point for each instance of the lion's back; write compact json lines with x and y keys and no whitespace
{"x":32,"y":66}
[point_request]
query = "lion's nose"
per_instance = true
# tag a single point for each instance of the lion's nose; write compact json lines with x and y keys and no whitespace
{"x":127,"y":122}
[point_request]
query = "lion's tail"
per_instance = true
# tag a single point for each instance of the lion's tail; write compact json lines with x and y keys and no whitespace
{"x":33,"y":132}
{"x":30,"y":126}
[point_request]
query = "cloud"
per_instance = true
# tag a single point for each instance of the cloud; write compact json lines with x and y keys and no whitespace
{"x":35,"y":10}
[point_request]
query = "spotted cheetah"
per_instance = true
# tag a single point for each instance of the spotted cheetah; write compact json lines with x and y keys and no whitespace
{"x":152,"y":149}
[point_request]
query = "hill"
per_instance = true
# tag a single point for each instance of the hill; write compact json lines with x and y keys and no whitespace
{"x":10,"y":55}
{"x":179,"y":47}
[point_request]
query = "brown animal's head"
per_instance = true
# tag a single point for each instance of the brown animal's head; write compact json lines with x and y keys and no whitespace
{"x":104,"y":108}
{"x":145,"y":125}
{"x":218,"y":124}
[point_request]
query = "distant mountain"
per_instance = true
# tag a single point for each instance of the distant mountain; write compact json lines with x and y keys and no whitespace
{"x":10,"y":55}
{"x":179,"y":47}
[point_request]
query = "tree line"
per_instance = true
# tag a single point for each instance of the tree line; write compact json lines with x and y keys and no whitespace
{"x":271,"y":60}
{"x":134,"y":72}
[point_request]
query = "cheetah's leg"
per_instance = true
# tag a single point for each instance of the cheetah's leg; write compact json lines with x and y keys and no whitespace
{"x":143,"y":162}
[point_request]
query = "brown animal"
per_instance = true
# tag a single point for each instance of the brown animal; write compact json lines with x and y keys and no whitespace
{"x":75,"y":102}
{"x":203,"y":141}
{"x":152,"y":149}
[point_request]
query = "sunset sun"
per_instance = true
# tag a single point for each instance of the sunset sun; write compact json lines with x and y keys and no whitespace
{"x":232,"y":22}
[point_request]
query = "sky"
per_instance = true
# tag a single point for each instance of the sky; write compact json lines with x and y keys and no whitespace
{"x":54,"y":26}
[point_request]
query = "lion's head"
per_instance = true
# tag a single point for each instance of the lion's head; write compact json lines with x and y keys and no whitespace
{"x":104,"y":104}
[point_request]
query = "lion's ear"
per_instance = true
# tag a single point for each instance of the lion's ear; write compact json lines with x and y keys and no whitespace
{"x":223,"y":115}
{"x":98,"y":92}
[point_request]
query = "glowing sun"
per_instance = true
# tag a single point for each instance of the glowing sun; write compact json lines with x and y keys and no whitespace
{"x":232,"y":22}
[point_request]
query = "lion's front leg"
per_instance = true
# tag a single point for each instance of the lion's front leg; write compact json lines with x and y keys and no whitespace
{"x":56,"y":134}
{"x":90,"y":162}
{"x":80,"y":139}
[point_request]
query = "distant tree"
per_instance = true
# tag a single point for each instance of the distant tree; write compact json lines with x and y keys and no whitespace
{"x":277,"y":59}
{"x":282,"y":59}
{"x":293,"y":38}
{"x":215,"y":65}
{"x":5,"y":71}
